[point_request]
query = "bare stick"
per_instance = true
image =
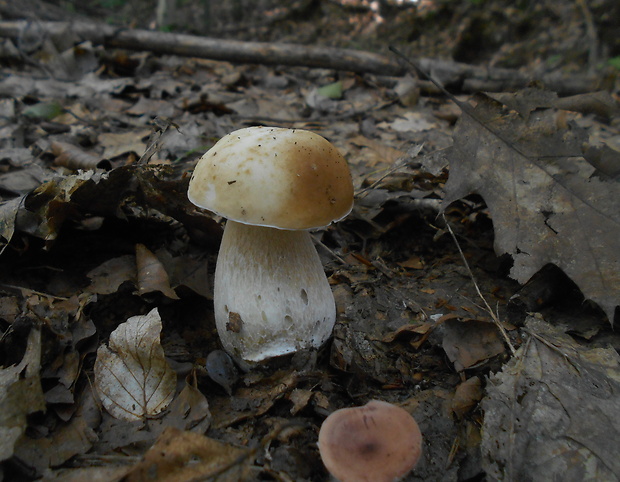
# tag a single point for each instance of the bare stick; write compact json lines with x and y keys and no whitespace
{"x":469,"y":78}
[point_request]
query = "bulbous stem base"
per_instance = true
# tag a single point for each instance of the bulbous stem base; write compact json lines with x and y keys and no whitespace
{"x":271,"y":294}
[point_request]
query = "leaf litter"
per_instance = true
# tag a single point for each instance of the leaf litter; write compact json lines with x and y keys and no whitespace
{"x":551,"y":411}
{"x":132,"y":377}
{"x":97,"y":230}
{"x":547,"y":203}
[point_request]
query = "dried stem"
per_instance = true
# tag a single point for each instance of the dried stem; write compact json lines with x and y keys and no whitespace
{"x":473,"y":278}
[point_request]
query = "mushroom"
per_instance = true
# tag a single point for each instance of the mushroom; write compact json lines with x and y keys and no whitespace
{"x":271,"y":295}
{"x":377,"y":442}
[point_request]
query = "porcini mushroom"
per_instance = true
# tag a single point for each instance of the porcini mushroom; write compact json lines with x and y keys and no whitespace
{"x":271,"y":295}
{"x":377,"y":442}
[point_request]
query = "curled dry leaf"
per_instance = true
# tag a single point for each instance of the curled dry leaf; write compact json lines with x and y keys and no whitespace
{"x":262,"y":394}
{"x":132,"y":376}
{"x":152,"y":275}
{"x":74,"y":157}
{"x":222,"y":370}
{"x":8,"y":213}
{"x":466,"y":396}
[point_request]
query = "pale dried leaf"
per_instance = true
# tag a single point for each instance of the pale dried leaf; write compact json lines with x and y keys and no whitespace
{"x":263,"y":395}
{"x":118,"y":144}
{"x":106,"y":473}
{"x":153,"y":107}
{"x":410,"y":122}
{"x":50,"y":204}
{"x":378,"y":152}
{"x":152,"y":275}
{"x":300,"y":397}
{"x":74,"y":157}
{"x":132,"y":376}
{"x":8,"y":213}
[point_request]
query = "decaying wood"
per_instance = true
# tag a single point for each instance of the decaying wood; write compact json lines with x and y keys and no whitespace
{"x":456,"y":76}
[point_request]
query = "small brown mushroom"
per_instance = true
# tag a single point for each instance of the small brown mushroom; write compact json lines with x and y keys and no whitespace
{"x":377,"y":442}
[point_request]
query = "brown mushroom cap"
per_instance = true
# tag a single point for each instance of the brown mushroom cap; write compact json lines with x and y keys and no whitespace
{"x":377,"y":442}
{"x":275,"y":177}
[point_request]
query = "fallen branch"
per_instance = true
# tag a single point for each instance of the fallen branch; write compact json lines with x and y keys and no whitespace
{"x":455,"y":76}
{"x":209,"y":48}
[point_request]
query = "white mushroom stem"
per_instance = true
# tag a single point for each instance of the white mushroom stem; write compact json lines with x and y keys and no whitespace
{"x":271,"y":294}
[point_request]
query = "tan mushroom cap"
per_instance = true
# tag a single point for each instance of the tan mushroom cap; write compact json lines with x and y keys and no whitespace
{"x":275,"y":177}
{"x":377,"y":442}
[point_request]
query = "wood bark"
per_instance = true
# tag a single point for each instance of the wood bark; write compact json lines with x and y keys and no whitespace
{"x":455,"y":76}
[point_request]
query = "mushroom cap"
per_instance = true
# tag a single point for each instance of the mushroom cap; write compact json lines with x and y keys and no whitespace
{"x":377,"y":442}
{"x":274,"y":177}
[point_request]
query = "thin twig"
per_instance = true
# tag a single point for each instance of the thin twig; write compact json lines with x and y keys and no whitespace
{"x":320,"y":243}
{"x":34,"y":292}
{"x":473,"y":278}
{"x":590,"y":35}
{"x":407,"y":160}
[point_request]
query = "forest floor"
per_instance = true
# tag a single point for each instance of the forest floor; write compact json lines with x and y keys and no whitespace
{"x":476,"y":279}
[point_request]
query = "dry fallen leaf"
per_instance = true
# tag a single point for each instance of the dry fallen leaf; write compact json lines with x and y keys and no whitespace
{"x":73,"y":157}
{"x":69,"y":439}
{"x":111,"y":274}
{"x":552,"y":413}
{"x":253,"y":401}
{"x":189,"y":411}
{"x":20,"y":395}
{"x":411,"y":122}
{"x":182,"y":456}
{"x":469,"y":342}
{"x":119,"y":144}
{"x":547,"y":204}
{"x":8,"y":213}
{"x":132,"y":375}
{"x":300,"y":398}
{"x":152,"y":275}
{"x":466,"y":396}
{"x":378,"y":152}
